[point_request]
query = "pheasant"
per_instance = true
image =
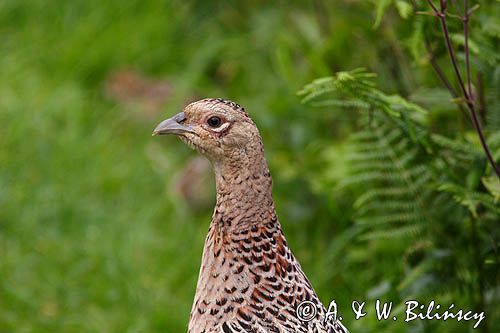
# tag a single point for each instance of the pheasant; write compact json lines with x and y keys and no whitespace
{"x":249,"y":280}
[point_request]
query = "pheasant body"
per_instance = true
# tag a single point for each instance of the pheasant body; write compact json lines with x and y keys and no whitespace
{"x":249,"y":280}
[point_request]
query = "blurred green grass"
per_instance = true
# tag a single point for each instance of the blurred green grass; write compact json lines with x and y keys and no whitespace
{"x":94,"y":235}
{"x":85,"y":239}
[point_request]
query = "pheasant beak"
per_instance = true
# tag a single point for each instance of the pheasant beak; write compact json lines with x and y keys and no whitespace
{"x":173,"y":126}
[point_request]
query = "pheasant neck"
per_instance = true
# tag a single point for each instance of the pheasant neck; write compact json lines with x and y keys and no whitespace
{"x":244,"y":195}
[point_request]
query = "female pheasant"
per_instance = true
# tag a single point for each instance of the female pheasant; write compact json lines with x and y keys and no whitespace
{"x":249,"y":280}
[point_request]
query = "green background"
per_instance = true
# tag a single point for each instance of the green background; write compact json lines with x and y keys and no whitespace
{"x":102,"y":226}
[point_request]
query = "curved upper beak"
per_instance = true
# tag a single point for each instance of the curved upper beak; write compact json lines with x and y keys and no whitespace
{"x":173,"y":126}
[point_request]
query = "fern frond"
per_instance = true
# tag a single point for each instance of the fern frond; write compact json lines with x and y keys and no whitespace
{"x":470,"y":199}
{"x":356,"y":89}
{"x":410,"y":231}
{"x":385,"y":161}
{"x":406,"y":179}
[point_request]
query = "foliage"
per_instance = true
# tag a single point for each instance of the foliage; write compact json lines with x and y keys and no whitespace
{"x":384,"y":194}
{"x":418,"y":188}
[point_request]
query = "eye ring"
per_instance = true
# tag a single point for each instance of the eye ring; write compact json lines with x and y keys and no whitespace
{"x":214,"y":121}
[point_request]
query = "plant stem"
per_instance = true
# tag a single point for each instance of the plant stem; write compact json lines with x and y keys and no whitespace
{"x":441,"y":15}
{"x":442,"y":76}
{"x":437,"y":69}
{"x":467,"y":51}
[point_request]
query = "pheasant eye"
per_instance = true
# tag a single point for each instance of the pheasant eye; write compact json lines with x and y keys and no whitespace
{"x":214,"y":121}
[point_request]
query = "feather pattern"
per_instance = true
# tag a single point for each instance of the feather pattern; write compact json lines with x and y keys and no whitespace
{"x":249,"y":279}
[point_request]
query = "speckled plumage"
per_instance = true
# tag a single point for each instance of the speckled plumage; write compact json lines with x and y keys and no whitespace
{"x":249,"y":280}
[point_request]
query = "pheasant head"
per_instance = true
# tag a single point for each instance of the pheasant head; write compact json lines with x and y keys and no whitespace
{"x":219,"y":129}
